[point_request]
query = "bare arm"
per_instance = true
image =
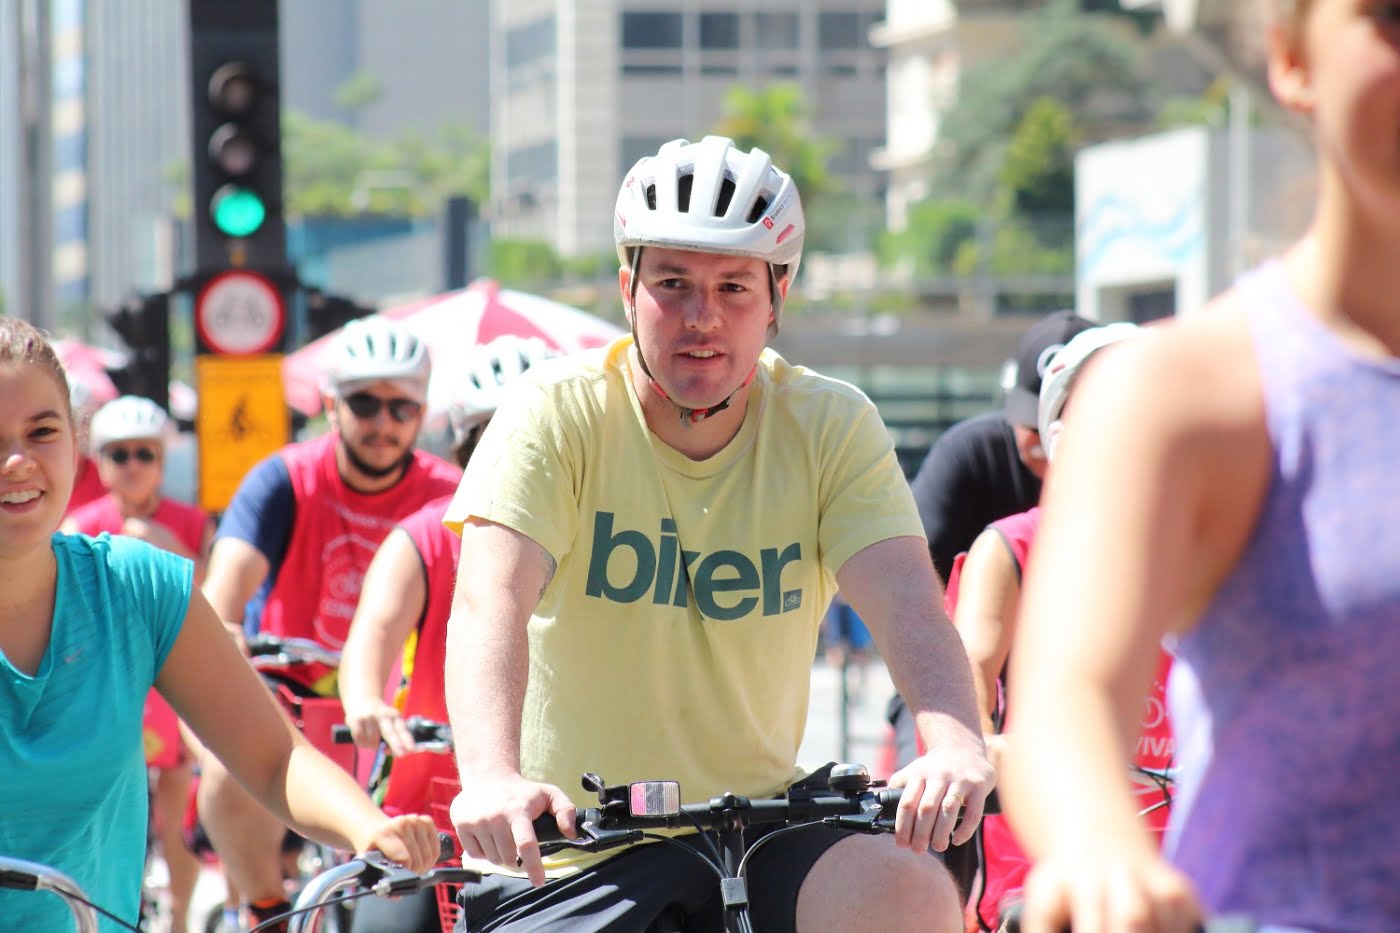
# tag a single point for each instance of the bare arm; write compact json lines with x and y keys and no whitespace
{"x":989,"y":593}
{"x":265,"y":752}
{"x":201,"y":560}
{"x":501,"y":576}
{"x":392,"y":598}
{"x":236,"y":570}
{"x":891,"y":584}
{"x":1159,"y":477}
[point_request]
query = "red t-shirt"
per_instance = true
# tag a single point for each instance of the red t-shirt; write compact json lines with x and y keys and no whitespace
{"x":425,"y":696}
{"x":87,"y":486}
{"x":187,"y":522}
{"x":336,"y":533}
{"x":1006,"y":863}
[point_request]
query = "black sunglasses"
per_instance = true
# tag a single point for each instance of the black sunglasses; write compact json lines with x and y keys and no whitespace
{"x":120,"y":455}
{"x":364,"y":405}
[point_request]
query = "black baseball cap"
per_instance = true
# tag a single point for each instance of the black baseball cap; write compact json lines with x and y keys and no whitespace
{"x":1038,"y":344}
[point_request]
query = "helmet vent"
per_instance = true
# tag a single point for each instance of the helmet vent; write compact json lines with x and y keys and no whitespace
{"x":651,"y":197}
{"x":683,"y":186}
{"x":759,"y":207}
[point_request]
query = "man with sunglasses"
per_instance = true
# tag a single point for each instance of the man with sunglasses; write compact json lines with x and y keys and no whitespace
{"x":296,"y":540}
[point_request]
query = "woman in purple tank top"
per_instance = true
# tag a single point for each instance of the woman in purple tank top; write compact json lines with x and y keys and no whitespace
{"x":1232,"y":489}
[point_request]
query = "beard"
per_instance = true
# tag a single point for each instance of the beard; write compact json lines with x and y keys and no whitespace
{"x":376,"y":472}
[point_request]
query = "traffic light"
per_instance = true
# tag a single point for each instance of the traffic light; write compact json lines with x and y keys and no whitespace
{"x":237,"y":142}
{"x":143,"y":324}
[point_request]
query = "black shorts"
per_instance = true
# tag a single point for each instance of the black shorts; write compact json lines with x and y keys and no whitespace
{"x":627,"y":893}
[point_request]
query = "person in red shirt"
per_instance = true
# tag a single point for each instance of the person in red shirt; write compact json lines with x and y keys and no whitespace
{"x":128,"y":436}
{"x":87,"y":486}
{"x":299,"y":534}
{"x":407,"y":592}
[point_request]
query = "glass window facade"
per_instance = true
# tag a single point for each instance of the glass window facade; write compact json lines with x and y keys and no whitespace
{"x":719,"y":30}
{"x":652,"y":30}
{"x":776,"y":31}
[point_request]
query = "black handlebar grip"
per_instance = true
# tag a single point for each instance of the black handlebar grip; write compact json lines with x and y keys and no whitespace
{"x":889,"y":800}
{"x":447,"y":847}
{"x":340,"y":735}
{"x":547,"y":828}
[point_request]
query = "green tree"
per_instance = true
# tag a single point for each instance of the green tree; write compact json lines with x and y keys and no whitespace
{"x":1037,"y":174}
{"x":1088,"y":63}
{"x":776,"y":119}
{"x":332,"y":169}
{"x":934,"y":233}
{"x":525,"y":264}
{"x":1211,"y":108}
{"x":358,"y":91}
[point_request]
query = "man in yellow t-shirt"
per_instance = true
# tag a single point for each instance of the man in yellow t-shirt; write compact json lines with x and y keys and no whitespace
{"x":651,"y":533}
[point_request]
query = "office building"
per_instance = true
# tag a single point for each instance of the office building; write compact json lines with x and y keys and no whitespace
{"x":583,"y":88}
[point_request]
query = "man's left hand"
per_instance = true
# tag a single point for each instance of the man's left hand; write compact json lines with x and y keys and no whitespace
{"x":952,"y":779}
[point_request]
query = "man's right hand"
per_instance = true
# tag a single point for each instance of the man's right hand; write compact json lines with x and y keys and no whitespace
{"x":493,"y":817}
{"x":371,"y":719}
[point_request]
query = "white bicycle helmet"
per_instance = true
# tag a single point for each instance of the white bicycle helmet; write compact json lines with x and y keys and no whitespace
{"x":1063,"y":369}
{"x":374,"y":349}
{"x":711,"y":197}
{"x":489,"y":370}
{"x":129,"y":418}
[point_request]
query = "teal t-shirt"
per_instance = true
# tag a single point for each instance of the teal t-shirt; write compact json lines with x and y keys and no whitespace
{"x":72,"y":768}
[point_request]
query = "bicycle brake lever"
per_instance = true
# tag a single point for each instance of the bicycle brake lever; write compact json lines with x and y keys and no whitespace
{"x":592,"y":839}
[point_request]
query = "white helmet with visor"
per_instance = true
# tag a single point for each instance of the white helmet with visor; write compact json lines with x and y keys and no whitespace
{"x":1062,"y":371}
{"x":129,"y":418}
{"x":712,"y":197}
{"x":372,"y":349}
{"x":489,"y":370}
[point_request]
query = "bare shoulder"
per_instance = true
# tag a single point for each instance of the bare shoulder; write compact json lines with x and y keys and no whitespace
{"x":1196,"y":378}
{"x":1174,"y":425}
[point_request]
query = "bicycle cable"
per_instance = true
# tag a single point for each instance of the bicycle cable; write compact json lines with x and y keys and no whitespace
{"x":25,"y":881}
{"x":270,"y":922}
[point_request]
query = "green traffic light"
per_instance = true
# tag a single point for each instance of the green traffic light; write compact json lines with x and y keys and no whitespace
{"x":237,"y":211}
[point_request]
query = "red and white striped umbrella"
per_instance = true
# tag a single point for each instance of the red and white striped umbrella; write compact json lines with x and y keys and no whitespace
{"x":450,"y":324}
{"x":87,"y":367}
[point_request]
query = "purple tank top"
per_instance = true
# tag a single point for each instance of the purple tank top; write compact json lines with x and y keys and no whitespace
{"x":1286,"y":697}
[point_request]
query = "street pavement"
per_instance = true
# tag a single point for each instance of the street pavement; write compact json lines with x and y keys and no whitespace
{"x":866,"y":726}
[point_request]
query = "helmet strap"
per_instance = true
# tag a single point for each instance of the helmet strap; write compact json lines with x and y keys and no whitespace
{"x":689,"y":416}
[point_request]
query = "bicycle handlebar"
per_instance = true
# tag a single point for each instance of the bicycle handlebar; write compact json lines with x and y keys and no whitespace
{"x":380,"y":876}
{"x":265,"y":651}
{"x":22,"y":875}
{"x":429,"y":735}
{"x":870,"y":811}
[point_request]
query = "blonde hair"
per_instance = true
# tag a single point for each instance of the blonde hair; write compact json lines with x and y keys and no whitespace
{"x":23,"y":344}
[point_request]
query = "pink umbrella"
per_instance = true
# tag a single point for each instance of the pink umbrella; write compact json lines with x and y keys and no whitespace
{"x":87,"y":367}
{"x":451,"y":323}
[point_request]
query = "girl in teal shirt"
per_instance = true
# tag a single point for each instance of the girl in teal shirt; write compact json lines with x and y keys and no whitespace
{"x":87,"y":626}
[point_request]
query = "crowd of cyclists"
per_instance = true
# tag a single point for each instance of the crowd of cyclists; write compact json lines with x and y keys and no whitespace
{"x":626,"y":570}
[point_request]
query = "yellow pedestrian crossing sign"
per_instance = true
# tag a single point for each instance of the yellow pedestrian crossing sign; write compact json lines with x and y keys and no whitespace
{"x":242,"y":418}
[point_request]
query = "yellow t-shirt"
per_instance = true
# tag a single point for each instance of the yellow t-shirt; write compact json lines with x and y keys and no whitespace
{"x":675,"y":641}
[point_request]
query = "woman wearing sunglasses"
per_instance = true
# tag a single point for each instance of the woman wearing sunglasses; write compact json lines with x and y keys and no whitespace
{"x":128,"y":437}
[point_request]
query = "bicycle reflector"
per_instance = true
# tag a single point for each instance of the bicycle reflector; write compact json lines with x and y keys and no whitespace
{"x":654,"y":798}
